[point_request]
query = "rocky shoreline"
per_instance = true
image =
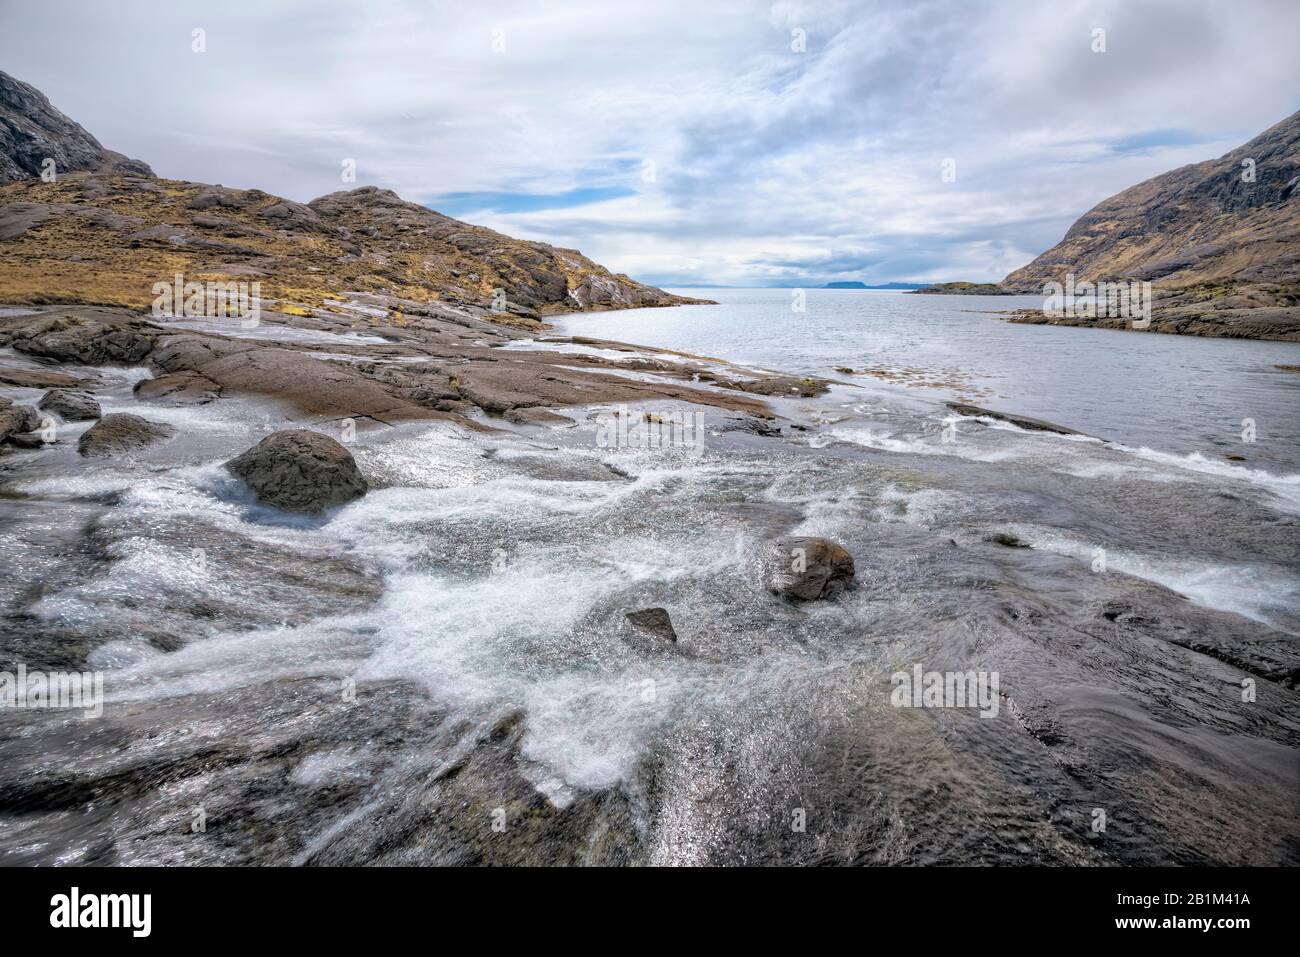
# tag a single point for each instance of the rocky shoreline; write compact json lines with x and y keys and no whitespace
{"x":438,"y":364}
{"x":1182,"y":314}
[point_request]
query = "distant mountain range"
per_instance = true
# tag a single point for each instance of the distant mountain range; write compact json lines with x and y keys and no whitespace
{"x":854,"y":284}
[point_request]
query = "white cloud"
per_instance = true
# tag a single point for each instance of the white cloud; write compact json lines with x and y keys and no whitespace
{"x":771,"y":165}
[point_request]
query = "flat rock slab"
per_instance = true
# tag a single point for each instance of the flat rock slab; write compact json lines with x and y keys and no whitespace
{"x":179,"y":388}
{"x":537,"y":415}
{"x":39,"y":378}
{"x":1022,"y":421}
{"x":783,"y":385}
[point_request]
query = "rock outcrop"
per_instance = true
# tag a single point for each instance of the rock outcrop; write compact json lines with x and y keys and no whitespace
{"x":298,"y":470}
{"x":806,"y":569}
{"x":120,"y":432}
{"x":32,"y":132}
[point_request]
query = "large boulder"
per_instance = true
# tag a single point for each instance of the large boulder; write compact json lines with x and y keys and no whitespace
{"x":806,"y":569}
{"x":298,"y":470}
{"x":121,"y":432}
{"x":70,"y":406}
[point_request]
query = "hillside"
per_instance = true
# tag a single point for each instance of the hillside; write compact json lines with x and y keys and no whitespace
{"x":1218,"y":246}
{"x":107,"y":231}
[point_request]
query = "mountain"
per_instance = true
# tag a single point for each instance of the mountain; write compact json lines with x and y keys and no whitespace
{"x":32,"y":131}
{"x":106,"y":230}
{"x":1216,"y":239}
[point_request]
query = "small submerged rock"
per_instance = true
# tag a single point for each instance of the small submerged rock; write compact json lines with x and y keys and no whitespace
{"x":70,"y":406}
{"x":121,"y":432}
{"x":298,"y":470}
{"x":1020,"y":421}
{"x":653,"y":621}
{"x":752,"y":424}
{"x":1007,"y":539}
{"x":806,"y":569}
{"x":784,"y":385}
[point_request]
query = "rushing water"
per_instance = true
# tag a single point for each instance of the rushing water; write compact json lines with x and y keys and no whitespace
{"x":442,"y":671}
{"x":1177,"y":394}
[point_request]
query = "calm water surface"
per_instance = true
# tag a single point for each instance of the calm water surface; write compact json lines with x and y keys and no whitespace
{"x":1178,"y":394}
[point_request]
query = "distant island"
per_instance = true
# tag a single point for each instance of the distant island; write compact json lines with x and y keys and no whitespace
{"x":855,"y":284}
{"x":964,"y":289}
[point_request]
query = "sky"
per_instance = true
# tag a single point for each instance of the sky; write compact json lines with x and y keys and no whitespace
{"x":684,"y":142}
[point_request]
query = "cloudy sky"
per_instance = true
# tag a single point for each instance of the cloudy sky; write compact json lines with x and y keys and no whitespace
{"x":701,"y":141}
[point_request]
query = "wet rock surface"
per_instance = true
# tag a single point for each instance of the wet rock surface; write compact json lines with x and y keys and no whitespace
{"x":180,"y":388}
{"x":653,"y":621}
{"x":70,"y":406}
{"x":298,"y":470}
{"x":806,"y":569}
{"x":440,"y":367}
{"x":1022,"y":421}
{"x":784,"y":386}
{"x":537,"y":416}
{"x":38,"y":378}
{"x":16,"y":419}
{"x":304,"y":686}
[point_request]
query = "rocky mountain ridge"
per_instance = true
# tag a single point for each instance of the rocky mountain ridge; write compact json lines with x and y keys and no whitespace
{"x":32,"y":131}
{"x":1219,"y":241}
{"x":106,"y":230}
